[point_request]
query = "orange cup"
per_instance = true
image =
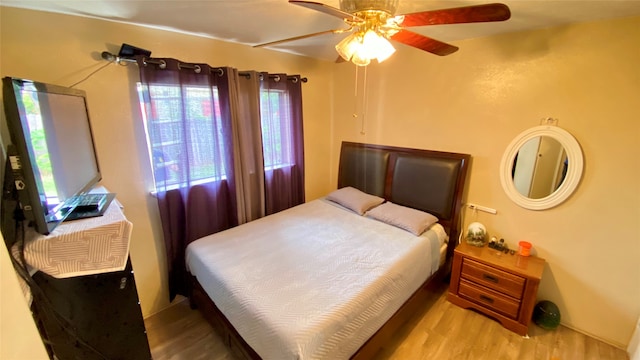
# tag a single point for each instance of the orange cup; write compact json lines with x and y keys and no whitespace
{"x":524,"y":248}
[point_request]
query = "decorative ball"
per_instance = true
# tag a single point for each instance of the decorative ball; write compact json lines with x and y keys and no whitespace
{"x":476,"y":234}
{"x":546,"y":315}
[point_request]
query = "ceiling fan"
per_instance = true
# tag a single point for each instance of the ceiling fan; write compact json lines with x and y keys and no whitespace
{"x":372,"y":23}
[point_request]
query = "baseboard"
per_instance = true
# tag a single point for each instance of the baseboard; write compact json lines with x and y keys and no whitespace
{"x":178,"y":299}
{"x":607,"y":341}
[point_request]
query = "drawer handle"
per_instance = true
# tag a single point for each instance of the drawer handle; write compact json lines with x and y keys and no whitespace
{"x":490,"y":278}
{"x":486,"y":298}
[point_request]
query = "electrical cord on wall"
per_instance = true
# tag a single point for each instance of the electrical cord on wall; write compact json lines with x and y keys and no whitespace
{"x":92,"y":73}
{"x":464,"y":207}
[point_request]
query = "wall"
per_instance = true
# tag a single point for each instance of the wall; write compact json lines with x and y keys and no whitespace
{"x":20,"y":338}
{"x":61,"y":49}
{"x":477,"y":100}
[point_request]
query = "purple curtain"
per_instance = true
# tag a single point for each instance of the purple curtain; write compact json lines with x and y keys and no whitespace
{"x":187,"y":112}
{"x":281,"y":107}
{"x":208,"y":129}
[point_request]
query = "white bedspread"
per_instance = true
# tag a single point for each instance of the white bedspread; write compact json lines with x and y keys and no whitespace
{"x":312,"y":282}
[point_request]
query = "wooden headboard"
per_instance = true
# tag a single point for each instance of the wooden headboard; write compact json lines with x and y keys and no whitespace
{"x":431,"y":181}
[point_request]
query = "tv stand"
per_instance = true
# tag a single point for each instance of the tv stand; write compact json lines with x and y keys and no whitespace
{"x":102,"y":311}
{"x":86,"y":303}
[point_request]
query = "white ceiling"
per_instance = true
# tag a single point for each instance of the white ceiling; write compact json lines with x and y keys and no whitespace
{"x":255,"y":22}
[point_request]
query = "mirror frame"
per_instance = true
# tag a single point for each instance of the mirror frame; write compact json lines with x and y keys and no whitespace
{"x":571,"y":180}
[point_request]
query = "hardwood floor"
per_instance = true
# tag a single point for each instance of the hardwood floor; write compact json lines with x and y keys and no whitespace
{"x":440,"y":330}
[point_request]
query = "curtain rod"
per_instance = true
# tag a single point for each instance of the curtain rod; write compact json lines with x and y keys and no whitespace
{"x":114,"y":58}
{"x":276,"y":77}
{"x":195,"y":67}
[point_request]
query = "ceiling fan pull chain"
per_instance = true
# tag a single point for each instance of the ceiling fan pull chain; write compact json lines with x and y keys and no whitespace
{"x":364,"y":100}
{"x":355,"y":96}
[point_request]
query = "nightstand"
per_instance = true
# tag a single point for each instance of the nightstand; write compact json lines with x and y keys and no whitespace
{"x":499,"y":285}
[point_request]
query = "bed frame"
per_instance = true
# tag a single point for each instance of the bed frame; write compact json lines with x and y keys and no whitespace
{"x":431,"y":181}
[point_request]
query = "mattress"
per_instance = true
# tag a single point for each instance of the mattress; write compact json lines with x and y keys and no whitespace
{"x":314,"y":281}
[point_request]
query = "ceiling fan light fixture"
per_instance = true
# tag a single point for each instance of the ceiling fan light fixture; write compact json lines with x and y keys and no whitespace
{"x":377,"y":46}
{"x":352,"y":48}
{"x":379,"y":17}
{"x":360,"y":48}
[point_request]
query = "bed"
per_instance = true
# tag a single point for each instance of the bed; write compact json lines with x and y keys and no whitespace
{"x":321,"y":281}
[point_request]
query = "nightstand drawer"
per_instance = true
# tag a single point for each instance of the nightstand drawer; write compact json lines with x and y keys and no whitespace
{"x":490,"y":299}
{"x":492,"y":278}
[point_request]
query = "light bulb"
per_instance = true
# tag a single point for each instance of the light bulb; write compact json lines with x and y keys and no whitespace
{"x":348,"y":46}
{"x":385,"y":50}
{"x":377,"y":46}
{"x":359,"y":59}
{"x":369,"y":44}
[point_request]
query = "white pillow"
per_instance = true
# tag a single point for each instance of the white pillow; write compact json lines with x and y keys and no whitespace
{"x":354,"y":199}
{"x":412,"y":220}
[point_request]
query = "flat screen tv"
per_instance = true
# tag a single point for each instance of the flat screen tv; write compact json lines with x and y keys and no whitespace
{"x":52,"y":158}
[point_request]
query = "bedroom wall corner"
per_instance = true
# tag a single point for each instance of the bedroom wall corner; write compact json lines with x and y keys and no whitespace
{"x":634,"y":344}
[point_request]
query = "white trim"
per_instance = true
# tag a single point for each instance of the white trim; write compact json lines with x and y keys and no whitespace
{"x":571,"y":181}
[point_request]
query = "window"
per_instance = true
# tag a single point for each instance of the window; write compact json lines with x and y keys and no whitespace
{"x":189,"y":149}
{"x":276,"y":129}
{"x":184,"y":149}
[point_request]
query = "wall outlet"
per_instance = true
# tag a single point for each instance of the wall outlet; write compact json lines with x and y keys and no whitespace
{"x":482,"y":208}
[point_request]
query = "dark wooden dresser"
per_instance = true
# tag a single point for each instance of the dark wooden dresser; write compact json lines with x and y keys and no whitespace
{"x":499,"y":285}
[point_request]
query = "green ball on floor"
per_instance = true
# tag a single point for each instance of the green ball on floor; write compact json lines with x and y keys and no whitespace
{"x":546,"y":315}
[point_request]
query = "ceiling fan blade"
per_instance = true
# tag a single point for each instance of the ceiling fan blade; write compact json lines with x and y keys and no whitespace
{"x":466,"y":14}
{"x":336,"y":31}
{"x":325,"y":9}
{"x":424,"y":43}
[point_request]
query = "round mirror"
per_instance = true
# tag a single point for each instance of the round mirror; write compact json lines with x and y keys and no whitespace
{"x":541,"y":167}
